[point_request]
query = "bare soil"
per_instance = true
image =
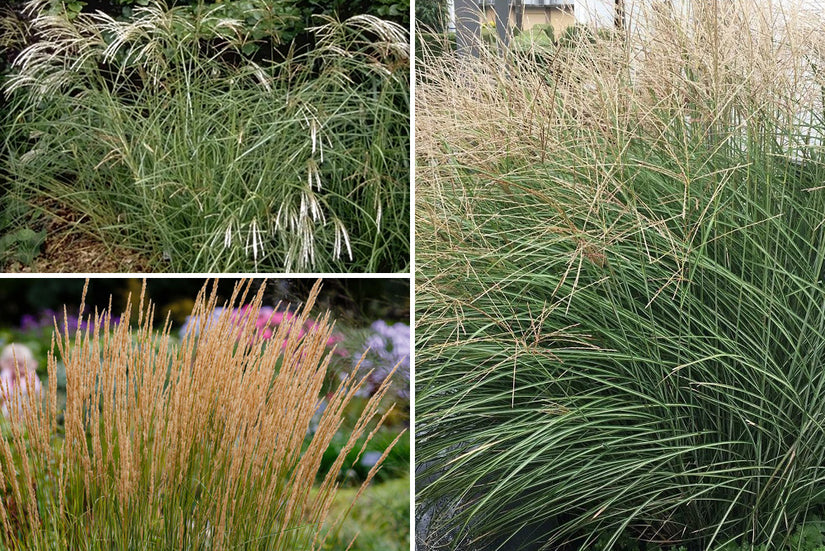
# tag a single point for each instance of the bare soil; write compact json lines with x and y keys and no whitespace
{"x":72,"y":248}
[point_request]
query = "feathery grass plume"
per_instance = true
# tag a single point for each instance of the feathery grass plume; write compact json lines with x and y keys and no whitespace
{"x":205,"y":444}
{"x":14,"y":31}
{"x":170,"y":141}
{"x":621,"y":307}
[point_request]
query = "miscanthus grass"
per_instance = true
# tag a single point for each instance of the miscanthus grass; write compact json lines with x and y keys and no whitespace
{"x":202,"y":445}
{"x":164,"y":137}
{"x":621,"y":305}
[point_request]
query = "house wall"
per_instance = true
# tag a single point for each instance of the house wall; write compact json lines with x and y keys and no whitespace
{"x":560,"y":18}
{"x":595,"y":12}
{"x":599,"y":13}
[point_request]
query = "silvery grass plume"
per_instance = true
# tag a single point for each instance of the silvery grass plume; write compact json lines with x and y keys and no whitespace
{"x":362,"y":32}
{"x":14,"y":30}
{"x":201,"y":444}
{"x":294,"y":165}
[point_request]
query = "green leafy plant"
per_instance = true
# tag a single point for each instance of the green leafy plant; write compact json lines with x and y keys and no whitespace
{"x":620,"y":292}
{"x":379,"y":519}
{"x":539,"y":36}
{"x":21,"y":245}
{"x":431,"y":15}
{"x":287,"y":20}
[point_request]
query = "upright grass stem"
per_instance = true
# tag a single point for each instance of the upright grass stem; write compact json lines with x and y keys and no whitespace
{"x":206,"y":444}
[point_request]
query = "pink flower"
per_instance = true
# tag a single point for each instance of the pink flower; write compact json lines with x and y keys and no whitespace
{"x":17,"y":370}
{"x":268,"y":320}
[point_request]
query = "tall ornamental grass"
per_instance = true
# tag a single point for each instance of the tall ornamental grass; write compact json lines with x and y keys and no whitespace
{"x":215,"y":443}
{"x":163,"y":137}
{"x":621,"y":294}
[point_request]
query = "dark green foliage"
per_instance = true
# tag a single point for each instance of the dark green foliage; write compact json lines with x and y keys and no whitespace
{"x":355,"y":470}
{"x":431,"y":15}
{"x":807,"y":536}
{"x":289,"y":20}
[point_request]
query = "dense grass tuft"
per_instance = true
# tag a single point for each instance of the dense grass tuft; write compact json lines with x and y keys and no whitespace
{"x":621,"y":300}
{"x":214,"y":443}
{"x":167,"y":140}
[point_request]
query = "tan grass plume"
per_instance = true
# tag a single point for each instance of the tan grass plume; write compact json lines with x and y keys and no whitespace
{"x":205,"y":443}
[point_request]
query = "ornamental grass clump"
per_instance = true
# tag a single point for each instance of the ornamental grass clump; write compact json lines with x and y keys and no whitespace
{"x":621,"y":294}
{"x":203,"y":444}
{"x":163,"y":136}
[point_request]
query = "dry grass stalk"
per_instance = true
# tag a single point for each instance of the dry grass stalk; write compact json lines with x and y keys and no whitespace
{"x":687,"y":75}
{"x":745,"y":59}
{"x":205,"y":443}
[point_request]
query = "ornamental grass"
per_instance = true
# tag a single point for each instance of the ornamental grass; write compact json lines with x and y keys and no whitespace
{"x":163,"y":136}
{"x":212,"y":443}
{"x":621,"y":306}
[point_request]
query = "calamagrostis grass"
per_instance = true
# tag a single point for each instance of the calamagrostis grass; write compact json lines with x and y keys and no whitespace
{"x":205,"y":444}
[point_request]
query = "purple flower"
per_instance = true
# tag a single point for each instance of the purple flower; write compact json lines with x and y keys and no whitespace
{"x":71,"y":322}
{"x":29,"y":323}
{"x":46,"y":319}
{"x":386,"y":347}
{"x":193,"y":324}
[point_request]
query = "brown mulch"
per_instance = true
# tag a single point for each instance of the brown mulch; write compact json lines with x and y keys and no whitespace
{"x":71,"y":248}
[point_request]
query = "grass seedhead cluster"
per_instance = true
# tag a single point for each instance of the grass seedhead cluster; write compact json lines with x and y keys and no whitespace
{"x":620,"y":289}
{"x":166,"y":138}
{"x":215,"y":443}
